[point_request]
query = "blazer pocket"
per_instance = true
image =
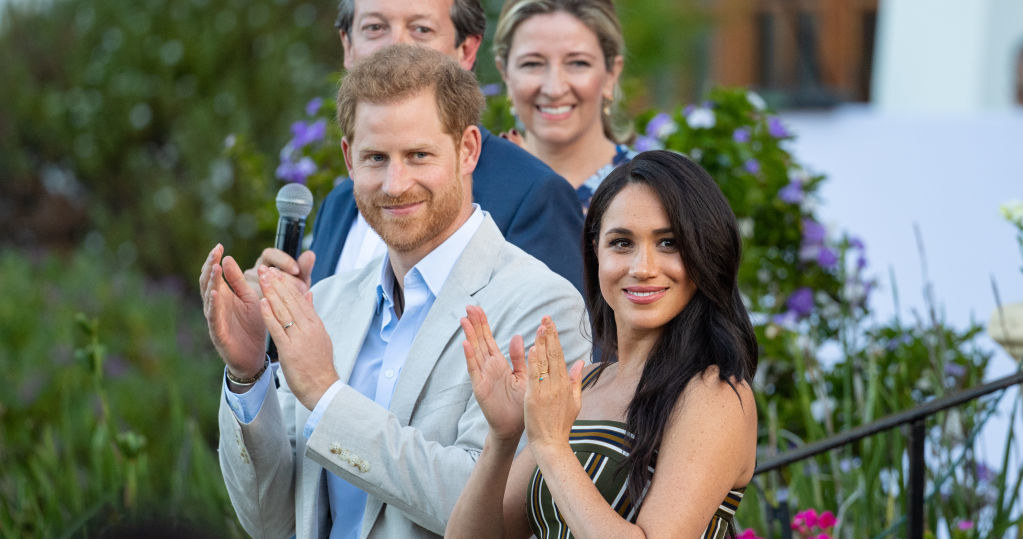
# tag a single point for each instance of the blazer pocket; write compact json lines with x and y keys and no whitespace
{"x":434,"y":402}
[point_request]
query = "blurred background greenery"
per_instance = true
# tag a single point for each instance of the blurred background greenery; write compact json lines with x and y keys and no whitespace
{"x":136,"y":134}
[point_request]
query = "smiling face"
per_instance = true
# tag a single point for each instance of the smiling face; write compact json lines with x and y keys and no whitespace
{"x":558,"y":79}
{"x":640,"y":269}
{"x":412,"y":182}
{"x":427,"y":23}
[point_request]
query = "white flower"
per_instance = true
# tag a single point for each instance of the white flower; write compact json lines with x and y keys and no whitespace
{"x":822,"y":408}
{"x":745,"y":227}
{"x":798,"y":175}
{"x":701,"y":118}
{"x":755,"y":100}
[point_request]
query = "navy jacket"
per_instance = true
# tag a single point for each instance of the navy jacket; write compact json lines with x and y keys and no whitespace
{"x":535,"y":208}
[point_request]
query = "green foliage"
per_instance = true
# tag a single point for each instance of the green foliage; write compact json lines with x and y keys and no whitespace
{"x":119,"y":426}
{"x":122,"y":108}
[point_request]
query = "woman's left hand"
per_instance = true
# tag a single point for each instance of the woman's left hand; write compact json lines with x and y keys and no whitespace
{"x":553,"y":393}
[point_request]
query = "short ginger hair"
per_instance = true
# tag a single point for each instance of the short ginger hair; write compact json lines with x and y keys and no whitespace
{"x":403,"y":71}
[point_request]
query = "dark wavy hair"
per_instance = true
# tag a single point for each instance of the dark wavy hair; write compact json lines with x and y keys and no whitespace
{"x":712,"y":329}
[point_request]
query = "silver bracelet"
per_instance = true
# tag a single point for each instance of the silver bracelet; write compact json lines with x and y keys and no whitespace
{"x":247,"y":381}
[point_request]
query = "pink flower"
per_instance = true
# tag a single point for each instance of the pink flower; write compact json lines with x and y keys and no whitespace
{"x":807,"y":519}
{"x":826,"y":520}
{"x":821,"y":536}
{"x":965,"y":525}
{"x":748,"y":533}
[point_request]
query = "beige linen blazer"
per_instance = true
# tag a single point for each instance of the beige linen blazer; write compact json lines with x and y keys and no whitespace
{"x":414,"y":458}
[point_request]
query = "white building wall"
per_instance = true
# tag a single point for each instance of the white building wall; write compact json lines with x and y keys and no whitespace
{"x":947,"y":55}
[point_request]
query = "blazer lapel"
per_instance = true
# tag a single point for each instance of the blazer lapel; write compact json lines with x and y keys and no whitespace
{"x":470,"y":274}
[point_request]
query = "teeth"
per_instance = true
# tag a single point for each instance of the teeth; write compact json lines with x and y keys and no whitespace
{"x":556,"y":110}
{"x":642,"y":294}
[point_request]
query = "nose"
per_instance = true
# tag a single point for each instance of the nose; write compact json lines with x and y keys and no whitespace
{"x":402,"y":35}
{"x":397,"y":180}
{"x":644,"y":264}
{"x":554,"y":84}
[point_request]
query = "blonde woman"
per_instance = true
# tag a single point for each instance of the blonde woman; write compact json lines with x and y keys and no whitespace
{"x":561,"y":61}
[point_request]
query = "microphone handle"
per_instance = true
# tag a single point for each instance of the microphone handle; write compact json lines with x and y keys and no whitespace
{"x":289,"y":240}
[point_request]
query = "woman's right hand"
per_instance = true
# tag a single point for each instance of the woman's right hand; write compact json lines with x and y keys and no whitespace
{"x":499,"y":389}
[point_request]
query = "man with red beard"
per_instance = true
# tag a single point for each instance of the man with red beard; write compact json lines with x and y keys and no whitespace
{"x":374,"y":430}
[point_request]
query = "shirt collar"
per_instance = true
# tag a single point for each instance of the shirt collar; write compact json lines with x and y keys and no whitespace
{"x":435,"y":268}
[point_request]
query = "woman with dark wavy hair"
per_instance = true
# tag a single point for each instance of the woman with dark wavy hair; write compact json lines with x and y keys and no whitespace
{"x":657,"y":439}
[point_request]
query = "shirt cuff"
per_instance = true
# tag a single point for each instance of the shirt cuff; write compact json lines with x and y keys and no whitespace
{"x":321,"y":407}
{"x":247,"y":405}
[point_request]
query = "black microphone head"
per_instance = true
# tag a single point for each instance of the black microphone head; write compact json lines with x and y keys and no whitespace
{"x":294,"y":200}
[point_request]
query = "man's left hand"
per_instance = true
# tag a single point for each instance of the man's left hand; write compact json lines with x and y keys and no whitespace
{"x":303,"y":346}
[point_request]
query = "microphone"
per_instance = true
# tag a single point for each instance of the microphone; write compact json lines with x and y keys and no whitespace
{"x":294,"y":202}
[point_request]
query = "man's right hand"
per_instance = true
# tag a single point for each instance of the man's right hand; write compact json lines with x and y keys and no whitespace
{"x":301,"y":269}
{"x":232,"y":314}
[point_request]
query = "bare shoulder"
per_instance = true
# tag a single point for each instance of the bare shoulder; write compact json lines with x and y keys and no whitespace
{"x":708,"y":390}
{"x":722,"y":416}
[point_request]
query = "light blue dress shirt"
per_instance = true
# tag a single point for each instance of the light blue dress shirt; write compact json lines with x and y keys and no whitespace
{"x":379,"y":362}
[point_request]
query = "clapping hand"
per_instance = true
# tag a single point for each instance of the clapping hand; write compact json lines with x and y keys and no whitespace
{"x":499,"y":389}
{"x":231,"y":308}
{"x":554,"y":391}
{"x":303,"y":345}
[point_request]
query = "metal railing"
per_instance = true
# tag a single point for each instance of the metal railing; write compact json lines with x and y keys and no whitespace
{"x":915,"y":417}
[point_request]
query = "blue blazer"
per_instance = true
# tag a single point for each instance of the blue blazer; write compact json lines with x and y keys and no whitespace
{"x":534,"y":207}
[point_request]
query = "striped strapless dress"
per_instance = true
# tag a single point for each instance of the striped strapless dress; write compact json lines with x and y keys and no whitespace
{"x":602,"y":447}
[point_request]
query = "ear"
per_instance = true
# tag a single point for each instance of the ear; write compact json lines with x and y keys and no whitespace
{"x":612,"y":80}
{"x":346,"y":48}
{"x":469,"y":149}
{"x":346,"y":151}
{"x":466,"y":51}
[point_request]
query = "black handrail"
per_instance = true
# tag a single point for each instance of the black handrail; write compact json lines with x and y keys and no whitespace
{"x":917,"y":435}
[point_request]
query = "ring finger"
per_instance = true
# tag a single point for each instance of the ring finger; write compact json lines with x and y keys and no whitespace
{"x":271,"y":293}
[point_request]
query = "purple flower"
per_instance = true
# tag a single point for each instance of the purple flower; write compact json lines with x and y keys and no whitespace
{"x":303,"y":133}
{"x":644,"y":143}
{"x":492,"y":89}
{"x":801,"y":301}
{"x":741,"y":135}
{"x":776,"y":129}
{"x":313,"y":106}
{"x":897,"y":342}
{"x":791,"y":193}
{"x":954,"y":370}
{"x":296,"y":172}
{"x":661,"y":126}
{"x":856,"y":243}
{"x":984,"y":474}
{"x":965,"y":525}
{"x":785,"y":319}
{"x":752,"y":166}
{"x":813,"y":232}
{"x":827,"y":258}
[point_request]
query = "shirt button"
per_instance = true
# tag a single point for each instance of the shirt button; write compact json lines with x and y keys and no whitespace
{"x":389,"y":373}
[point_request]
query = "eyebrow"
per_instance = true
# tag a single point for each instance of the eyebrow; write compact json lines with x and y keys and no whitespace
{"x":381,"y":16}
{"x":627,"y":232}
